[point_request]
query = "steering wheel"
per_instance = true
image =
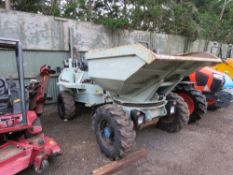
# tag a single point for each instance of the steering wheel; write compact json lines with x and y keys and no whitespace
{"x":2,"y":86}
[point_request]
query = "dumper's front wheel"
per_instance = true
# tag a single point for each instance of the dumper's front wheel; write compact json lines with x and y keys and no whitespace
{"x":66,"y":106}
{"x":174,"y":122}
{"x":114,"y":131}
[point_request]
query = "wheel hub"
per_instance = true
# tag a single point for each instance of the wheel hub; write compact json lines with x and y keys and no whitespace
{"x":189,"y":101}
{"x":107,"y":132}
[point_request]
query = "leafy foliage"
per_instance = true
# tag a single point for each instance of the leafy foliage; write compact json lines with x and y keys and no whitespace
{"x":114,"y":23}
{"x":27,"y":5}
{"x":208,"y":19}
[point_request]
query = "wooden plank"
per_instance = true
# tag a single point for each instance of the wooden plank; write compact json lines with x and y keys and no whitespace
{"x":119,"y":164}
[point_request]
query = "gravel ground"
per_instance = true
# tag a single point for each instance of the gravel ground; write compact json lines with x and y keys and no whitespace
{"x":203,"y":148}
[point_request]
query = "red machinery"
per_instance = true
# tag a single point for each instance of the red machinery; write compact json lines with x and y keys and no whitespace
{"x":210,"y":82}
{"x":203,"y":89}
{"x":37,"y":90}
{"x":22,"y":142}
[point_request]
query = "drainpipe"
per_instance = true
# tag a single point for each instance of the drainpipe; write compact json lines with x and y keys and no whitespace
{"x":187,"y":45}
{"x":206,"y":46}
{"x":151,"y":40}
{"x":71,"y":44}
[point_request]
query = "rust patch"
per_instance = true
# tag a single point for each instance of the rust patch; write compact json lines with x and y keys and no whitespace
{"x":151,"y":58}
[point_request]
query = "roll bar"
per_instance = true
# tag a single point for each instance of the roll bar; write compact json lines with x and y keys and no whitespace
{"x":17,"y":46}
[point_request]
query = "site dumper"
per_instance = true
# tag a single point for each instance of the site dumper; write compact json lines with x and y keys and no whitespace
{"x":131,"y":86}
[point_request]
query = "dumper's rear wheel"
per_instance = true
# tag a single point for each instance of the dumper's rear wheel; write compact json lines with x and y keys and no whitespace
{"x":114,"y":131}
{"x":66,"y":106}
{"x":174,"y":122}
{"x":195,"y":100}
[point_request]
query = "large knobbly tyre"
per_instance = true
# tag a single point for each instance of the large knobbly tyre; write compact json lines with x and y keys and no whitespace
{"x":114,"y":131}
{"x":196,"y":102}
{"x":66,"y":106}
{"x":175,"y":122}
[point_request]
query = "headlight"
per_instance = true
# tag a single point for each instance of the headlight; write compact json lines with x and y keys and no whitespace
{"x":218,"y":76}
{"x":140,"y":120}
{"x":172,"y":110}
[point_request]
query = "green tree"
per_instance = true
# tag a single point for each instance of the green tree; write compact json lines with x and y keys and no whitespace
{"x":34,"y":6}
{"x":112,"y":13}
{"x":216,"y":20}
{"x":208,"y":19}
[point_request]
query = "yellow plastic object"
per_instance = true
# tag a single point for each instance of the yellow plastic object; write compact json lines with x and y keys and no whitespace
{"x":226,"y":67}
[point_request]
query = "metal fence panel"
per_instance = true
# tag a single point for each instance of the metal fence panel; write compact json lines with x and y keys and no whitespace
{"x":53,"y":89}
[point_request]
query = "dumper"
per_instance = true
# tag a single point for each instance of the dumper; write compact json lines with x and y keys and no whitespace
{"x":131,"y":86}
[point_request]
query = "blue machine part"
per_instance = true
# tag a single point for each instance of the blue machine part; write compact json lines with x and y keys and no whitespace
{"x":228,"y":82}
{"x":107,"y":132}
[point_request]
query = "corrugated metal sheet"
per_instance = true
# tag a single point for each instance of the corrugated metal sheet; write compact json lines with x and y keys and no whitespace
{"x":53,"y":89}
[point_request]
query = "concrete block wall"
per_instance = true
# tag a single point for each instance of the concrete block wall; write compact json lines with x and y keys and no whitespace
{"x":46,"y":39}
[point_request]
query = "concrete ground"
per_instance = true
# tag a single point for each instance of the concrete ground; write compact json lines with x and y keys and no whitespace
{"x":203,"y":148}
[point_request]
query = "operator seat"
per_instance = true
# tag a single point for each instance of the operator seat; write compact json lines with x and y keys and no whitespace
{"x":4,"y":97}
{"x":9,"y":97}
